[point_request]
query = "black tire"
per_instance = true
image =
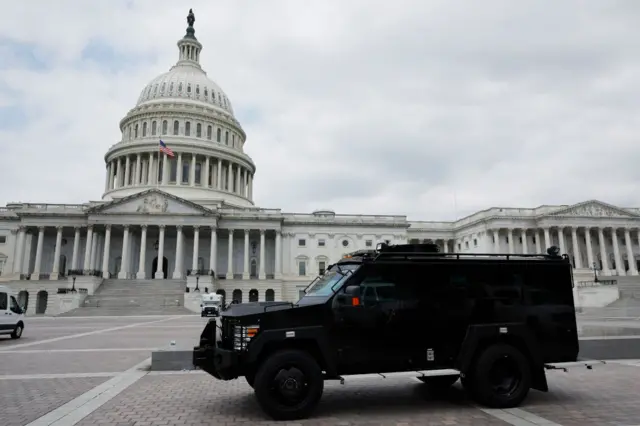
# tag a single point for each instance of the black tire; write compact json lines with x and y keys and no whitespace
{"x":289,"y":368}
{"x":439,"y":383}
{"x":17,"y":332}
{"x":250,"y":378}
{"x":500,"y":377}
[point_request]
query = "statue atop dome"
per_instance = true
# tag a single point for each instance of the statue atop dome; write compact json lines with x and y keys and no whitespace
{"x":191,"y":18}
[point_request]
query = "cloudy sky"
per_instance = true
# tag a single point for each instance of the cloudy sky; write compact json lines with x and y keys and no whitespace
{"x":430,"y":108}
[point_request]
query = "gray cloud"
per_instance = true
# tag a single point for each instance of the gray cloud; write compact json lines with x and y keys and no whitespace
{"x":432,"y":109}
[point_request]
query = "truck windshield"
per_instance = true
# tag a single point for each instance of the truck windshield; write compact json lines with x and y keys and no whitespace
{"x":325,"y":285}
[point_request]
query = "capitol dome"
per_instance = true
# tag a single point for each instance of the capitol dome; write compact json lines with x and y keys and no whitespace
{"x":205,"y":161}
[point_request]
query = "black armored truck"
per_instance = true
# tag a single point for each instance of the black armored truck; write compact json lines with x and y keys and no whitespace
{"x":494,"y":321}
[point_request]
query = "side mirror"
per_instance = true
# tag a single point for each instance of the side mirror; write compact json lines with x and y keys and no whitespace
{"x":350,"y":296}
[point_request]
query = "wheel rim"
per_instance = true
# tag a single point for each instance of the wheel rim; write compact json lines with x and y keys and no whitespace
{"x":505,"y":376}
{"x":290,"y":386}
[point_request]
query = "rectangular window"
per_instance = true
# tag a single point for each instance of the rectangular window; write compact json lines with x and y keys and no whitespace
{"x":321,"y":268}
{"x":154,"y":128}
{"x":3,"y":301}
{"x":198,"y":173}
{"x":3,"y":239}
{"x":176,"y":127}
{"x":475,"y":242}
{"x":185,"y":171}
{"x":199,"y":130}
{"x":165,"y":126}
{"x":173,"y":174}
{"x":187,"y":129}
{"x":368,"y":243}
{"x":321,"y":243}
{"x":160,"y":164}
{"x":209,"y":132}
{"x":302,"y":242}
{"x":302,"y":268}
{"x":226,"y":138}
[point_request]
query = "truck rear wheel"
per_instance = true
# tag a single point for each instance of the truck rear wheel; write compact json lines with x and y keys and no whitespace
{"x":288,"y":385}
{"x":500,"y":377}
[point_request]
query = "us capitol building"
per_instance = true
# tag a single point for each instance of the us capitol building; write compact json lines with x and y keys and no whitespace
{"x":193,"y":215}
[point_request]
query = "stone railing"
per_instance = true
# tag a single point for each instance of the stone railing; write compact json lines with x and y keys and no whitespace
{"x":599,"y":283}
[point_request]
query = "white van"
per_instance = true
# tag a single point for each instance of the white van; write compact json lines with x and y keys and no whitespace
{"x":11,"y":314}
{"x":211,"y":304}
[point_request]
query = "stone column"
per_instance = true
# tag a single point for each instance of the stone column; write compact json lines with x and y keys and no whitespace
{"x":105,"y":257}
{"x":561,"y":241}
{"x":250,"y":186}
{"x":510,"y":236}
{"x":633,"y":270}
{"x":219,"y":181}
{"x":213,"y":255}
{"x":230,"y":256}
{"x":246,"y":272}
{"x":19,"y":260}
{"x":445,"y":245}
{"x":278,"y":266}
{"x":262,"y":274}
{"x":496,"y":241}
{"x":165,"y":169}
{"x":94,"y":249}
{"x":138,"y":178}
{"x":587,"y":237}
{"x":230,"y":177}
{"x":192,"y":171}
{"x":76,"y":248}
{"x":160,"y":269}
{"x":112,"y":175}
{"x":55,"y":270}
{"x":205,"y":181}
{"x":603,"y":253}
{"x":547,"y":239}
{"x":576,"y":248}
{"x":87,"y":249}
{"x":108,"y":179}
{"x":119,"y":174}
{"x":616,"y":252}
{"x":238,"y":171}
{"x":38,"y":264}
{"x":124,"y":265}
{"x":150,"y":180}
{"x":127,"y":171}
{"x":179,"y":170}
{"x":143,"y":254}
{"x":523,"y":236}
{"x":196,"y":248}
{"x":179,"y":264}
{"x":538,"y":241}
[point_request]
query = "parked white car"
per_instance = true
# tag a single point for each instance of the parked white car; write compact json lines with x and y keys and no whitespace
{"x":11,"y":314}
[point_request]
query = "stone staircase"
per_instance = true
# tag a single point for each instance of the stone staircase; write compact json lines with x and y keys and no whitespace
{"x":134,"y":297}
{"x":629,"y":287}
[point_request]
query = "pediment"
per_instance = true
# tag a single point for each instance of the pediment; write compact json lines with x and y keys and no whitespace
{"x":151,"y":202}
{"x":594,"y":209}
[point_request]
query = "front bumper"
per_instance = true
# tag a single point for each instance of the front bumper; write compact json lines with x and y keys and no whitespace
{"x":221,"y":363}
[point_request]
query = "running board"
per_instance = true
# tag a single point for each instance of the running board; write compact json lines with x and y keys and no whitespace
{"x":420,"y":373}
{"x":588,"y":364}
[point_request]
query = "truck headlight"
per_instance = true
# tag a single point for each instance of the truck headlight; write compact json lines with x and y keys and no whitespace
{"x":242,"y":335}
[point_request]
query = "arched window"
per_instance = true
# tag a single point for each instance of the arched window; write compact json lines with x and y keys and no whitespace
{"x":237,"y":295}
{"x":253,"y":295}
{"x":165,"y":127}
{"x":163,"y":87}
{"x":187,"y":128}
{"x":144,"y":129}
{"x":270,"y":295}
{"x":154,"y":128}
{"x":176,"y":127}
{"x":217,"y":135}
{"x":171,"y":87}
{"x":189,"y":88}
{"x":206,"y":94}
{"x":198,"y":130}
{"x":209,"y":132}
{"x":135,"y":132}
{"x":180,"y":87}
{"x":226,"y":138}
{"x":197,"y":89}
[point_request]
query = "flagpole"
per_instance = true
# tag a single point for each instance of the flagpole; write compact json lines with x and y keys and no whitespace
{"x":159,"y":159}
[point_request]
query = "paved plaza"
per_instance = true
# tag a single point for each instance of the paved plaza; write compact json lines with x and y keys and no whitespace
{"x":95,"y":371}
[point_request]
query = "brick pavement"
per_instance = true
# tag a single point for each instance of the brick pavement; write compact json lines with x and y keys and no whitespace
{"x":23,"y":401}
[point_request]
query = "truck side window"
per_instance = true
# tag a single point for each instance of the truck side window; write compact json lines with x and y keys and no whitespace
{"x":15,"y":308}
{"x":3,"y":301}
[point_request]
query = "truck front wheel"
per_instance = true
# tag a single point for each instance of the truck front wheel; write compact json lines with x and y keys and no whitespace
{"x":500,"y":377}
{"x":288,"y":385}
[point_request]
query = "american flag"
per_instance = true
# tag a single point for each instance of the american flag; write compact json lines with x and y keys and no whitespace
{"x":164,"y":148}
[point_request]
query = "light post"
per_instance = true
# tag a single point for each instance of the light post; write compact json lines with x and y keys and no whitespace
{"x":197,"y":281}
{"x":595,"y":274}
{"x":73,"y":286}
